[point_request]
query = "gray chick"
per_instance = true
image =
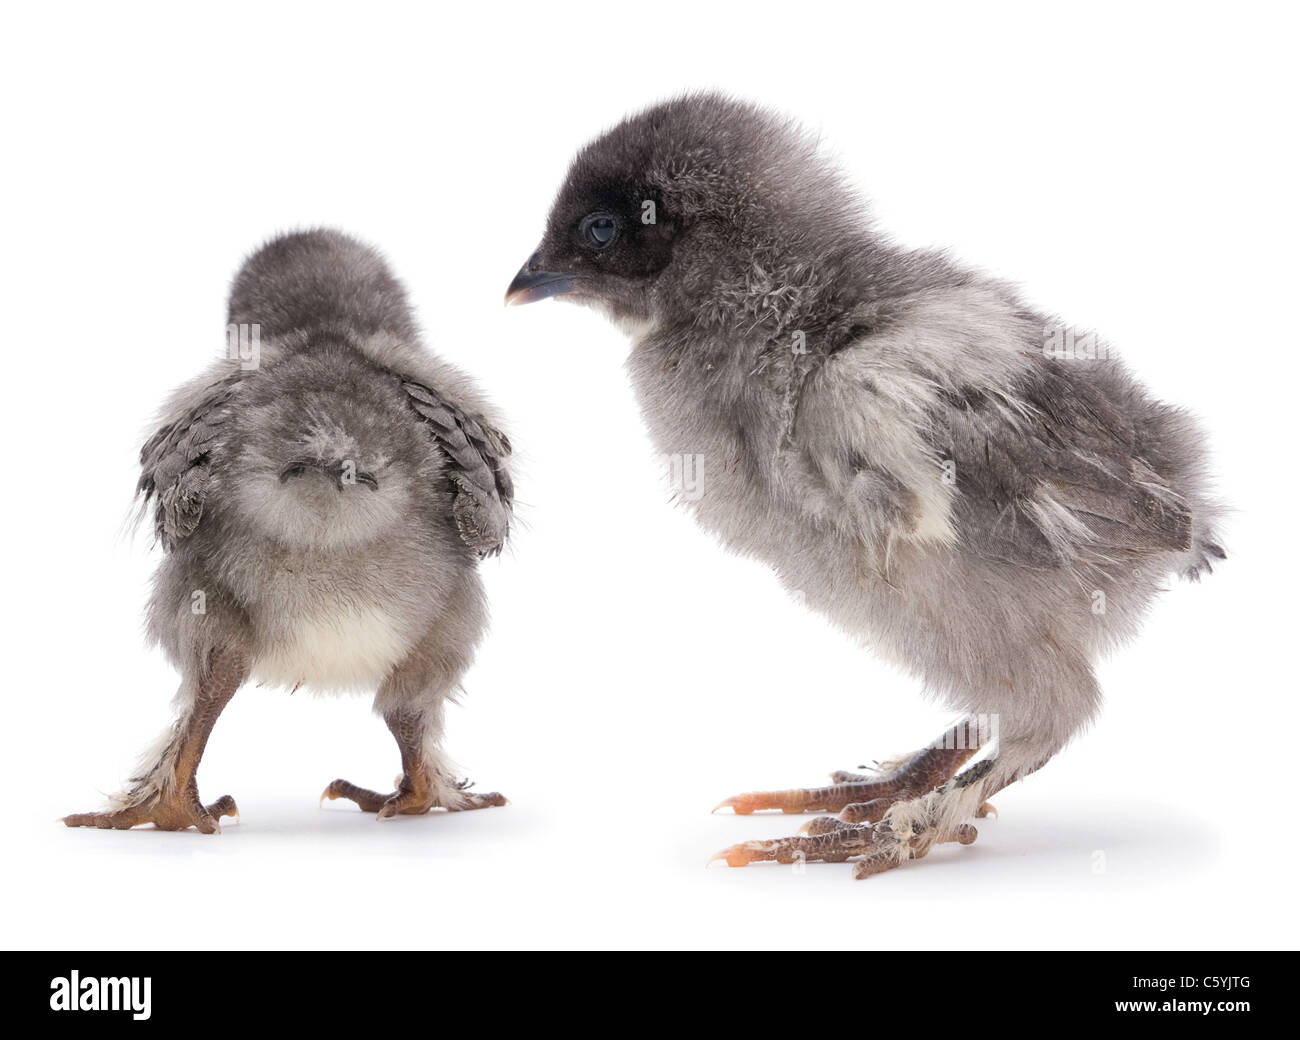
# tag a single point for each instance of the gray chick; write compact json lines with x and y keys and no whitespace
{"x":979,"y":492}
{"x":324,"y":494}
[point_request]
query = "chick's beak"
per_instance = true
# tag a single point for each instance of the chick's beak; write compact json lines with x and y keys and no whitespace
{"x":532,"y":283}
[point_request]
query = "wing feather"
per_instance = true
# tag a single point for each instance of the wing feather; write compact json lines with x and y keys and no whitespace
{"x":1065,"y":484}
{"x":476,"y":453}
{"x":175,"y":463}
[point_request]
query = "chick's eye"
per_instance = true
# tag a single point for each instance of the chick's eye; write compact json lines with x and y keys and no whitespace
{"x":598,"y":230}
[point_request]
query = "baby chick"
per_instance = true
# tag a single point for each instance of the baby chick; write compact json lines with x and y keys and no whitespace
{"x":324,"y":495}
{"x":982,"y":493}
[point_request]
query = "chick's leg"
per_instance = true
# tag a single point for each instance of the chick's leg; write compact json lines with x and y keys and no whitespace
{"x":424,"y":783}
{"x":865,"y":798}
{"x":167,"y":793}
{"x":411,"y":701}
{"x":908,"y":829}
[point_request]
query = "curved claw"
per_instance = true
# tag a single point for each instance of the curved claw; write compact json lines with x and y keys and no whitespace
{"x":742,"y":855}
{"x":223,"y":806}
{"x":338,"y":789}
{"x":986,"y":809}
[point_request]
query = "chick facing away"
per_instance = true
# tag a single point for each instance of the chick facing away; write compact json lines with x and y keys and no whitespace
{"x":324,"y":495}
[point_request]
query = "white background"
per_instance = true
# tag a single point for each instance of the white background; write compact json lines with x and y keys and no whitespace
{"x":1131,"y":166}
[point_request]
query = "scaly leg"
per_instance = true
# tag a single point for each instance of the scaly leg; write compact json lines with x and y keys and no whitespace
{"x":862,"y":798}
{"x":168,"y":795}
{"x":908,"y":830}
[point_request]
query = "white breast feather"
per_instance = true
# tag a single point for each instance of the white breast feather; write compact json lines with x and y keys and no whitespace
{"x":347,"y":650}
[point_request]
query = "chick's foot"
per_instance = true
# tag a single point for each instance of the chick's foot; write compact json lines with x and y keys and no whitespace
{"x":172,"y":810}
{"x":908,"y":831}
{"x":415,"y":795}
